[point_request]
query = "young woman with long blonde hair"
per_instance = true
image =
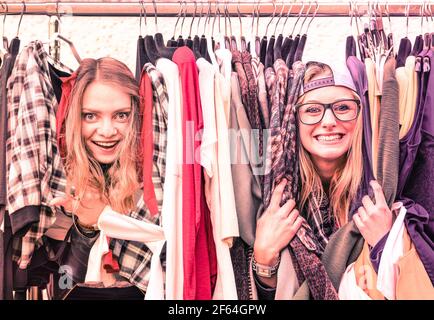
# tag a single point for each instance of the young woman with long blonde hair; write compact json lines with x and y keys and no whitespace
{"x":99,"y":140}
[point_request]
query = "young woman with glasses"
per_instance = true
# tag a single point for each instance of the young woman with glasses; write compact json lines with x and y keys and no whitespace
{"x":331,"y":168}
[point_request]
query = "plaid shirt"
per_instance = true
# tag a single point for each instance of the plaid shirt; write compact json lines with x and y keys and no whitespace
{"x":34,"y":169}
{"x":159,"y":115}
{"x":134,"y":257}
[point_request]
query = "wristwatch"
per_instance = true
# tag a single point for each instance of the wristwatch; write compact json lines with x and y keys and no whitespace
{"x":263,"y":270}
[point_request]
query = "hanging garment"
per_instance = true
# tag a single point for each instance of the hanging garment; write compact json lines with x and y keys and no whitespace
{"x":252,"y":99}
{"x":258,"y":72}
{"x":133,"y":257}
{"x":5,"y":72}
{"x":407,"y":80}
{"x":244,"y":159}
{"x":141,"y":58}
{"x":35,"y":173}
{"x":405,"y":278}
{"x":416,"y":154}
{"x":218,"y":184}
{"x":159,"y":118}
{"x":374,"y":105}
{"x":172,"y":198}
{"x":388,"y":134}
{"x":358,"y":73}
{"x":116,"y":225}
{"x":343,"y":248}
{"x":244,"y":83}
{"x":198,"y":246}
{"x":147,"y":143}
{"x":247,"y":190}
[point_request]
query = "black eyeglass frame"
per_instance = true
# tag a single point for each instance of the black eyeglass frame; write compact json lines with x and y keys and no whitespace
{"x":329,"y":106}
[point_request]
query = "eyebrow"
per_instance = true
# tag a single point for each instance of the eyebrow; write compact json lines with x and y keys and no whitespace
{"x":97,"y":111}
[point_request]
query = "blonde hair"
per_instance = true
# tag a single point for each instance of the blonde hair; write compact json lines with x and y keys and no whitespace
{"x":81,"y":168}
{"x":347,"y":178}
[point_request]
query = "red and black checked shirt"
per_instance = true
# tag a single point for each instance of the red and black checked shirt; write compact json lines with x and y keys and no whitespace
{"x":35,"y":173}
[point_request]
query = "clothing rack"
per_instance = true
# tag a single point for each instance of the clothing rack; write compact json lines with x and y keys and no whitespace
{"x":171,"y":8}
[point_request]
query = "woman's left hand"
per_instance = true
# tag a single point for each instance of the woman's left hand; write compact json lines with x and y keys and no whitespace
{"x":374,"y":220}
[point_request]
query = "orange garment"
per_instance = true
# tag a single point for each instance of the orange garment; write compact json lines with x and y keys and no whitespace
{"x":413,"y":281}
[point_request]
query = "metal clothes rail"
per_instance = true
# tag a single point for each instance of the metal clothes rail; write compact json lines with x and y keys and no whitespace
{"x":170,"y":8}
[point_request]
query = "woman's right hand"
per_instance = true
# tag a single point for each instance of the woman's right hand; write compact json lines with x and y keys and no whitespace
{"x":276,"y":228}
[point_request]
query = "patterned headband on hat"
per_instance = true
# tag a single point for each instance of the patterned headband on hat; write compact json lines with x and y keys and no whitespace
{"x":341,"y":77}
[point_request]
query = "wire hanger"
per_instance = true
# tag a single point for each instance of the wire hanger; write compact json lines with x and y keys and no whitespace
{"x":4,"y":48}
{"x":180,"y":39}
{"x":294,"y":45}
{"x":269,"y":58}
{"x":272,"y":18}
{"x":233,"y":40}
{"x":69,"y":42}
{"x":279,"y":41}
{"x":287,"y":43}
{"x":21,"y":18}
{"x":264,"y":41}
{"x":189,"y":41}
{"x":172,"y":42}
{"x":141,"y":15}
{"x":300,"y":48}
{"x":242,"y":38}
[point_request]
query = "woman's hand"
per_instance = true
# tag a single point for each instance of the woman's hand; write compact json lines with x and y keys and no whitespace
{"x":276,"y":228}
{"x":374,"y":220}
{"x":87,"y":209}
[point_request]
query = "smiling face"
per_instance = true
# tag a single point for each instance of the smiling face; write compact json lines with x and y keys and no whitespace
{"x":328,"y":141}
{"x":105,"y":120}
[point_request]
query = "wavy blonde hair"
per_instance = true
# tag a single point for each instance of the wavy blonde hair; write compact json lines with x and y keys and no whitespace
{"x":347,"y":178}
{"x":82,"y":169}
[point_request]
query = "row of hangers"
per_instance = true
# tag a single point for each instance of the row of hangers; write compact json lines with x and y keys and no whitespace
{"x":53,"y":41}
{"x":372,"y":42}
{"x":279,"y":46}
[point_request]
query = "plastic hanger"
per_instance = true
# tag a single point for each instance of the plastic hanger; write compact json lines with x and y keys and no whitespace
{"x":158,"y":38}
{"x":403,"y":52}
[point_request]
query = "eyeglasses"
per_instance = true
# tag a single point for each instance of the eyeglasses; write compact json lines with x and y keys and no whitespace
{"x":313,"y":112}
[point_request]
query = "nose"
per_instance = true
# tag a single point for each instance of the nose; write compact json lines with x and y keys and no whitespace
{"x":107,"y":128}
{"x":329,"y":119}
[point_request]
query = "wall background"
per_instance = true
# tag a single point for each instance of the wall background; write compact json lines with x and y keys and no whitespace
{"x":117,"y":36}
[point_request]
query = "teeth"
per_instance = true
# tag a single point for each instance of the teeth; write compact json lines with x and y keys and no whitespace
{"x":105,"y":144}
{"x":329,"y":138}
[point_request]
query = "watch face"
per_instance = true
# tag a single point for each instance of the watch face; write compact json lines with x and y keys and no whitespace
{"x":264,"y":272}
